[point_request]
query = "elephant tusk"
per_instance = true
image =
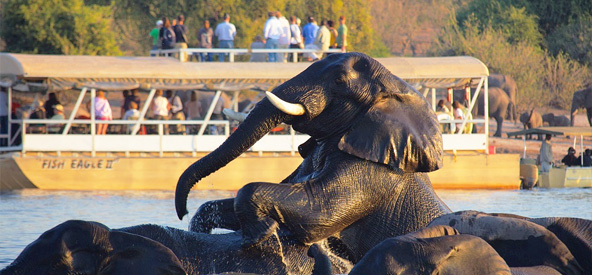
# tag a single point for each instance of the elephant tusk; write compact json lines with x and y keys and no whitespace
{"x":235,"y":115}
{"x":286,"y":107}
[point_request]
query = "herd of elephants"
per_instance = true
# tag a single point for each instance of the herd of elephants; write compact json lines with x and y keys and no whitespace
{"x":360,"y":202}
{"x":502,"y":105}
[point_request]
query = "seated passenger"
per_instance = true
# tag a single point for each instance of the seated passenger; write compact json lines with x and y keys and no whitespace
{"x":587,"y":158}
{"x":570,"y":159}
{"x":131,"y":114}
{"x":441,"y":107}
{"x":58,"y":114}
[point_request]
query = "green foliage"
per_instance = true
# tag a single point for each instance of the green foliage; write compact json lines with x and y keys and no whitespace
{"x":510,"y":17}
{"x":563,"y":76}
{"x":574,"y":39}
{"x":57,"y":27}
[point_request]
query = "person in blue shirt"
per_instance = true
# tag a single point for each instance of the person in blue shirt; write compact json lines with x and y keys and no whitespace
{"x":309,"y":31}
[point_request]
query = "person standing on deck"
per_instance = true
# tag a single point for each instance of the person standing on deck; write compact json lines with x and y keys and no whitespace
{"x":154,"y":33}
{"x":546,"y":155}
{"x":341,"y":39}
{"x":205,"y":36}
{"x":225,"y":32}
{"x":181,"y":37}
{"x":272,"y":32}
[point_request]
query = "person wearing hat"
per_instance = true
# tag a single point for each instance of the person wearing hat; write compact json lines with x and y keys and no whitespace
{"x":570,"y":159}
{"x":154,"y":34}
{"x":58,"y":114}
{"x":309,"y":31}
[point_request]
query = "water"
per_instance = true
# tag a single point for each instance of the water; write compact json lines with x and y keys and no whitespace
{"x":25,"y":214}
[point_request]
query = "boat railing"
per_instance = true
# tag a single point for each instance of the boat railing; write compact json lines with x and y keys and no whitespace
{"x":123,"y":137}
{"x":234,"y":52}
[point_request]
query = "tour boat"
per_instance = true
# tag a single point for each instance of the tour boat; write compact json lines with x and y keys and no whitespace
{"x":76,"y":158}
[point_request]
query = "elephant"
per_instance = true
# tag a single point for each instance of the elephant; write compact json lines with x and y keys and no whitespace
{"x":498,"y":107}
{"x":471,"y":242}
{"x":531,"y":120}
{"x":82,"y":247}
{"x":506,"y":83}
{"x":582,"y":99}
{"x":371,"y":133}
{"x":555,"y":121}
{"x":432,"y":250}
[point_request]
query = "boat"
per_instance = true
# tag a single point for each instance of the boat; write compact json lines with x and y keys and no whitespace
{"x":76,"y":158}
{"x":560,"y":175}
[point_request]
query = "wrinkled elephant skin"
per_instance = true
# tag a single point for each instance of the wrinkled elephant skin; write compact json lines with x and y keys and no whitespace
{"x":371,"y":133}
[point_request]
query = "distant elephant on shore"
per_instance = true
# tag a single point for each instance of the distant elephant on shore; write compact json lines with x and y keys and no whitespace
{"x":531,"y":120}
{"x":555,"y":121}
{"x":582,"y":99}
{"x":506,"y":83}
{"x":498,"y":107}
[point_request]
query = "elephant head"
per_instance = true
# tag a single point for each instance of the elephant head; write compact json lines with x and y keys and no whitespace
{"x":581,"y":99}
{"x":350,"y":98}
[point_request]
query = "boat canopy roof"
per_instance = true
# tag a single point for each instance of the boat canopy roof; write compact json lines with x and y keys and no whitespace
{"x":566,"y":131}
{"x":63,"y":72}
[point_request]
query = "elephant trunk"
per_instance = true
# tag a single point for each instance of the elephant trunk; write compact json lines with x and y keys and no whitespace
{"x":259,"y":122}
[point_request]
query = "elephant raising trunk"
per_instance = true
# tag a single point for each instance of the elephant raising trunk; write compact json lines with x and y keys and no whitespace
{"x":240,"y":141}
{"x":371,"y":133}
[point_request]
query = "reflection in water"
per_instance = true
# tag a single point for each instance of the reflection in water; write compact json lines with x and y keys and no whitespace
{"x":25,"y":214}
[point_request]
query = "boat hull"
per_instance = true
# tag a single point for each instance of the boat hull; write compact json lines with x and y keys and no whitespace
{"x":560,"y":177}
{"x":477,"y":171}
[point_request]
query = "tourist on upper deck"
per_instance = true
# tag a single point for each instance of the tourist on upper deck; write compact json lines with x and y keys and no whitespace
{"x":341,"y":39}
{"x":160,"y":109}
{"x":333,"y":31}
{"x":154,"y":33}
{"x":570,"y":159}
{"x":296,"y":41}
{"x":309,"y":31}
{"x":321,"y":42}
{"x":102,"y":112}
{"x":285,"y":36}
{"x":546,"y":154}
{"x":50,"y":105}
{"x":176,"y":112}
{"x":181,"y":37}
{"x":225,"y":32}
{"x":205,"y":36}
{"x":166,"y":35}
{"x":272,"y":32}
{"x":258,"y":44}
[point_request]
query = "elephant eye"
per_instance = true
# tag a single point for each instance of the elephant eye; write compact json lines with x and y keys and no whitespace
{"x":340,"y":80}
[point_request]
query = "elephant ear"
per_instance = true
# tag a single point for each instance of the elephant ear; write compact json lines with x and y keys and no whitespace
{"x":399,"y":130}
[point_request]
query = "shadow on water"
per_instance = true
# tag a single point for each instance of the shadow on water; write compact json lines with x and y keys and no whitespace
{"x":25,"y":214}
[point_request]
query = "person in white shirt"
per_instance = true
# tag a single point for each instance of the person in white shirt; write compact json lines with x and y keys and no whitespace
{"x":272,"y":33}
{"x":296,"y":34}
{"x":160,"y":109}
{"x":284,"y":41}
{"x":458,"y":115}
{"x":225,"y":32}
{"x":131,"y":114}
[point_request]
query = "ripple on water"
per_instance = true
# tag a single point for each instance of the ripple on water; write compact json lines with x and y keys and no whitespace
{"x":25,"y":214}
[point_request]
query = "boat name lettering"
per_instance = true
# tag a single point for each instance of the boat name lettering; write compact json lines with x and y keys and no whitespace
{"x":78,"y":164}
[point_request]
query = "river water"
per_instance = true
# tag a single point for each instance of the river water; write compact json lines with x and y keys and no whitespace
{"x":25,"y":214}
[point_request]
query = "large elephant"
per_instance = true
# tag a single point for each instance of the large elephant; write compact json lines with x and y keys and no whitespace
{"x":498,"y":107}
{"x":582,"y":99}
{"x":555,"y":121}
{"x":506,"y":83}
{"x":372,"y":137}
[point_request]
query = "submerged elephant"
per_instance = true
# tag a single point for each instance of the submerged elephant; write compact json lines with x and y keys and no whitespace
{"x":498,"y":107}
{"x":470,"y":242}
{"x":555,"y":121}
{"x":582,"y":99}
{"x":372,"y":136}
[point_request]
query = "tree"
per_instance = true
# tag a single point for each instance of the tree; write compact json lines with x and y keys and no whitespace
{"x":57,"y":27}
{"x":574,"y":39}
